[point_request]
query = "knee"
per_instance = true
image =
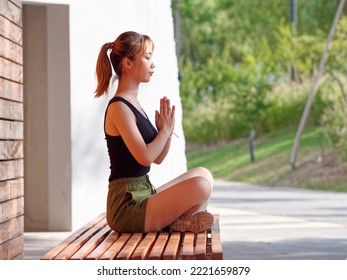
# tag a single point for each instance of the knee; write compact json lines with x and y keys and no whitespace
{"x":203,"y":186}
{"x":205,"y":173}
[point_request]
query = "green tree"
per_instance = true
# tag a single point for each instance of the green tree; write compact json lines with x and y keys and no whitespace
{"x":234,"y":52}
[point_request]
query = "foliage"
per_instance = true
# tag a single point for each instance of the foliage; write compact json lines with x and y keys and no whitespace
{"x":334,"y":119}
{"x":237,"y":59}
{"x":285,"y":105}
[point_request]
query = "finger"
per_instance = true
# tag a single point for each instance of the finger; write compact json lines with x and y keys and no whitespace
{"x":161,"y":105}
{"x":168,"y":107}
{"x":173,"y":111}
{"x":156,"y":120}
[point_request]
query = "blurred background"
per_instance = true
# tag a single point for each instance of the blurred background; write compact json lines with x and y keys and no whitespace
{"x":247,"y":69}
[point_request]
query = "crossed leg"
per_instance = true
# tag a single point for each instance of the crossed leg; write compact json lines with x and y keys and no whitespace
{"x":188,"y":193}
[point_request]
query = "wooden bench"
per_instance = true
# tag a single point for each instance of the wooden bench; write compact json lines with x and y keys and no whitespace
{"x":96,"y":241}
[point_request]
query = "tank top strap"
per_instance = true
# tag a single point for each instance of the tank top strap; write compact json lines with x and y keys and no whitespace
{"x":126,"y":102}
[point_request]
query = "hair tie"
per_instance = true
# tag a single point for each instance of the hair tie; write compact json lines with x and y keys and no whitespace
{"x":110,"y":45}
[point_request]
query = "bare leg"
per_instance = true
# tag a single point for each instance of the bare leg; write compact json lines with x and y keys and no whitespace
{"x":188,"y":193}
{"x":195,"y":172}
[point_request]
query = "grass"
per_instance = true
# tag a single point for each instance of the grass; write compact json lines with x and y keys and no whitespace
{"x":318,"y":167}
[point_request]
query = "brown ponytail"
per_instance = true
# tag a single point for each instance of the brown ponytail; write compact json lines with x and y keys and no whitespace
{"x":127,"y":45}
{"x":103,"y":71}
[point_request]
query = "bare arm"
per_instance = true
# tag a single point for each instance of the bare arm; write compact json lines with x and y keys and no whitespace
{"x":164,"y":153}
{"x":124,"y":121}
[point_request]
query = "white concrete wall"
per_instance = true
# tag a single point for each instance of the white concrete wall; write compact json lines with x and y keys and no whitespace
{"x":93,"y":23}
{"x":47,"y":128}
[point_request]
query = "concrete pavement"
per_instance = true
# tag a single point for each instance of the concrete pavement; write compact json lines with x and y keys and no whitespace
{"x":280,"y":223}
{"x":261,"y":223}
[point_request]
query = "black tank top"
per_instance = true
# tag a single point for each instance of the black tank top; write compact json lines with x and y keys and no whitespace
{"x":123,"y":164}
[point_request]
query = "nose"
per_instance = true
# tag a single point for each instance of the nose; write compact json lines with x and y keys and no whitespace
{"x":152,"y":65}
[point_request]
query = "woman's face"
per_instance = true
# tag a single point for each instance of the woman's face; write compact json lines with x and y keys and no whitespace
{"x":144,"y":66}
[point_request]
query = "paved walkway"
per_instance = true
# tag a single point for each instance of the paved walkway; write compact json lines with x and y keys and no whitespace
{"x":262,"y":223}
{"x":268,"y":223}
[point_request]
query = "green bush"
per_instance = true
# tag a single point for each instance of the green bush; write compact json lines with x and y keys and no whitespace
{"x":285,"y":105}
{"x":334,"y":119}
{"x":210,"y":121}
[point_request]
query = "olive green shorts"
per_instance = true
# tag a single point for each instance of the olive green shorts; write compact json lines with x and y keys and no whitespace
{"x":126,"y":203}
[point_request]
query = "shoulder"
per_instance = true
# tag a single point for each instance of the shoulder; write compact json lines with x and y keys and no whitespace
{"x":120,"y":110}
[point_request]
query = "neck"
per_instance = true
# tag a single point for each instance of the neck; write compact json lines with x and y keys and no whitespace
{"x":128,"y":87}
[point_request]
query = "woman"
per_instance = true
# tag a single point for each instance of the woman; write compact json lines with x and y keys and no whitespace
{"x":133,"y":204}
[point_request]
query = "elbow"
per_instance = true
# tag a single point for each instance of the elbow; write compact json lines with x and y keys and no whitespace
{"x":158,"y":161}
{"x":147,"y":158}
{"x":145,"y":161}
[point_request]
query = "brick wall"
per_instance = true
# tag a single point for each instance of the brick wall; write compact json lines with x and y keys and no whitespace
{"x":11,"y":130}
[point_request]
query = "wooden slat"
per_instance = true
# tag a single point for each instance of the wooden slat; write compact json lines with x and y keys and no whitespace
{"x":200,"y":246}
{"x":216,"y":245}
{"x":188,"y":246}
{"x":11,"y":51}
{"x":12,"y":248}
{"x":11,"y":208}
{"x":11,"y":90}
{"x":159,"y":246}
{"x":104,"y":246}
{"x":11,"y":189}
{"x":11,"y":228}
{"x":10,"y":30}
{"x":11,"y":150}
{"x":172,"y":247}
{"x":18,"y":257}
{"x":10,"y":130}
{"x":50,"y":255}
{"x":74,"y":246}
{"x":143,"y":249}
{"x":100,"y":242}
{"x":11,"y":71}
{"x":11,"y":12}
{"x":130,"y":247}
{"x":11,"y":169}
{"x":11,"y":110}
{"x":113,"y":251}
{"x":18,"y":3}
{"x":92,"y":243}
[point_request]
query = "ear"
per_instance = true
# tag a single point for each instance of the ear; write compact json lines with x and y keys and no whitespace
{"x":127,"y":63}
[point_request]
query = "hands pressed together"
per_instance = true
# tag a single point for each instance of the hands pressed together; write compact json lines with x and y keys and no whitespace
{"x":165,"y":118}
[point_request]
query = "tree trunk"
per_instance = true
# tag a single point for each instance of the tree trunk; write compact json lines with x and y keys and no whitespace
{"x":315,"y":84}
